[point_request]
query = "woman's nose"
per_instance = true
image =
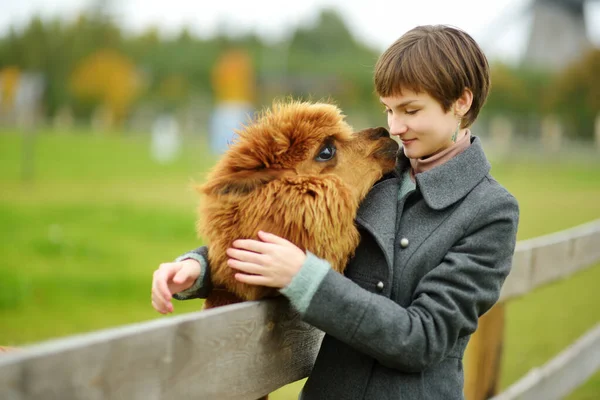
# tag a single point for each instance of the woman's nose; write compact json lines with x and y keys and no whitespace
{"x":397,"y":126}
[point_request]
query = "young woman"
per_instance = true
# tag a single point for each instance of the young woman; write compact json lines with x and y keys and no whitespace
{"x":437,"y":240}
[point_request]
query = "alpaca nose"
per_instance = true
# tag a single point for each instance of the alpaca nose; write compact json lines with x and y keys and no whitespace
{"x":378,"y":133}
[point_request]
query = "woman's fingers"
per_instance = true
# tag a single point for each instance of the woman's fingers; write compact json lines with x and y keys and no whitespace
{"x":271,"y":238}
{"x":252,"y":245}
{"x":181,"y":276}
{"x":156,"y":307}
{"x":160,"y":305}
{"x":271,"y":261}
{"x":157,"y":295}
{"x":246,"y":256}
{"x":161,"y":293}
{"x":246,"y":267}
{"x":254,"y":279}
{"x":166,"y":274}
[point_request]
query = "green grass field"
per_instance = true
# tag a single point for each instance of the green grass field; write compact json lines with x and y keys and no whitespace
{"x":80,"y":241}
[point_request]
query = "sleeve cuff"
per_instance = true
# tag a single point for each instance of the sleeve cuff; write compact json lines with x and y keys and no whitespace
{"x":192,"y":291}
{"x":304,"y":285}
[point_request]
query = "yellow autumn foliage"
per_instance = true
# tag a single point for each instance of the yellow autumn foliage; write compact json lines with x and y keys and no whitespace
{"x":233,"y":77}
{"x":108,"y":78}
{"x":9,"y":81}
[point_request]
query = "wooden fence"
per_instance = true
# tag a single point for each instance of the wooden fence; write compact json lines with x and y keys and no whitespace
{"x":247,"y":350}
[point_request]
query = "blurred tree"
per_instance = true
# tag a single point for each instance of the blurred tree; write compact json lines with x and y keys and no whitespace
{"x":106,"y":78}
{"x":173,"y":91}
{"x":56,"y":48}
{"x":319,"y":61}
{"x":576,"y":95}
{"x":328,"y":36}
{"x":517,"y":92}
{"x":340,"y":66}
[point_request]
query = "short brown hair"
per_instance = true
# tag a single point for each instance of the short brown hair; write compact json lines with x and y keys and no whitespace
{"x":439,"y":60}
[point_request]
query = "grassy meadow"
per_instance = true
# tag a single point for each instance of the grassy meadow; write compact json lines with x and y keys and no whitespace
{"x":80,"y":240}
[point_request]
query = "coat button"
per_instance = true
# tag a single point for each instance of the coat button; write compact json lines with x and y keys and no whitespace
{"x":380,"y":286}
{"x":404,"y":243}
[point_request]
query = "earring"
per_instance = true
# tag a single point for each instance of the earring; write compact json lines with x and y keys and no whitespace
{"x":456,"y":132}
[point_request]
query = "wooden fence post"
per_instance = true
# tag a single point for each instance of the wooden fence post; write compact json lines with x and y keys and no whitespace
{"x":484,"y":356}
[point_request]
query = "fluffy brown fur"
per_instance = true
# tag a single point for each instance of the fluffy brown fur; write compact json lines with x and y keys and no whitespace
{"x":271,"y":179}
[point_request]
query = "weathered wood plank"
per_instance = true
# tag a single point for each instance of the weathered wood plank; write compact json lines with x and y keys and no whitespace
{"x":518,"y":281}
{"x":550,"y":262}
{"x":241,"y":351}
{"x":561,"y":375}
{"x":546,"y":259}
{"x":536,"y":263}
{"x":586,"y":249}
{"x":483,"y":357}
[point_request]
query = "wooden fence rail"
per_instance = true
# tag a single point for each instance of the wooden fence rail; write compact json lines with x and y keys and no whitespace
{"x":247,"y":350}
{"x":553,"y":257}
{"x":241,"y":351}
{"x":536,"y":263}
{"x":562,"y":374}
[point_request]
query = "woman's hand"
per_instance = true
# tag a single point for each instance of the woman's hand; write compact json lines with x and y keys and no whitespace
{"x":271,"y":261}
{"x":171,"y":278}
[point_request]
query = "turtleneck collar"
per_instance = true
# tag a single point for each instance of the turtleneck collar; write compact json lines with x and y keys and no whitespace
{"x":419,"y":165}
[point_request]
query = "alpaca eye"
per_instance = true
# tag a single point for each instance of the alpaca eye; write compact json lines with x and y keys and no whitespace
{"x":326,"y":153}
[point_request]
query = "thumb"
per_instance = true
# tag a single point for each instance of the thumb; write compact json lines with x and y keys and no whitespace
{"x":181,"y":276}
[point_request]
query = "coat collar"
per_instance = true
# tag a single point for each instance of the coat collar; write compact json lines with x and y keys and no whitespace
{"x":441,"y":187}
{"x":444,"y":185}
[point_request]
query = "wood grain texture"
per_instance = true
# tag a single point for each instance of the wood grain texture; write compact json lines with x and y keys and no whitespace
{"x":484,"y":356}
{"x":561,"y":375}
{"x":241,"y":351}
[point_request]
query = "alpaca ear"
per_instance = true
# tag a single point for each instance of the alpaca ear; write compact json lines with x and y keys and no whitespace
{"x":239,"y":183}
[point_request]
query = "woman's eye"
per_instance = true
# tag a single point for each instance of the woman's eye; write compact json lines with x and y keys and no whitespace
{"x":387,"y":111}
{"x":326,"y":153}
{"x":411,"y":112}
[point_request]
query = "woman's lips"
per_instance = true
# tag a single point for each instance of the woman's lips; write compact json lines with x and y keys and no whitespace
{"x":407,"y":141}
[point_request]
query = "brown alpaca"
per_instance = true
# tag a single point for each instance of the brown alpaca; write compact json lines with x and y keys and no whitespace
{"x":298,"y":171}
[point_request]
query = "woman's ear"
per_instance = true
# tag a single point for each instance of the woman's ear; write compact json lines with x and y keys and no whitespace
{"x":239,"y":183}
{"x":463,"y":104}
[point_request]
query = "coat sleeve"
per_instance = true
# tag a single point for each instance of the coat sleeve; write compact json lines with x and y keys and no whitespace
{"x":446,"y":304}
{"x":203,"y":284}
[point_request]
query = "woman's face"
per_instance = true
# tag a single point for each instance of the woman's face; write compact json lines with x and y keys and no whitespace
{"x":420,"y":123}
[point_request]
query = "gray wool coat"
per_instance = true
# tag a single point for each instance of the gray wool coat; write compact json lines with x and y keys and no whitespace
{"x":428,"y":266}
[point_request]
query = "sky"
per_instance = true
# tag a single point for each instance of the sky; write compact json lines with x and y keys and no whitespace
{"x":499,"y":26}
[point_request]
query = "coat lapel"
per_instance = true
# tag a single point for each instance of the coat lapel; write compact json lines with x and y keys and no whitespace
{"x":453,"y":180}
{"x":441,"y":187}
